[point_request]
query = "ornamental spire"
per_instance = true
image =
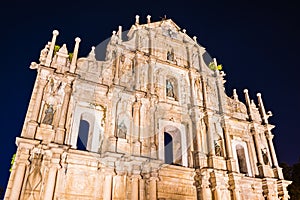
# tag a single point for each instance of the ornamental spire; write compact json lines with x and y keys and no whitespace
{"x":50,"y":53}
{"x":137,"y":20}
{"x":148,"y":19}
{"x":75,"y":53}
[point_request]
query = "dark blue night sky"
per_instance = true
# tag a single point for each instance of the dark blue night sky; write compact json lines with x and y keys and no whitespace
{"x":257,"y":44}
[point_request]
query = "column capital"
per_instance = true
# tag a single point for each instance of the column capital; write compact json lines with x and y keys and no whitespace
{"x":135,"y":176}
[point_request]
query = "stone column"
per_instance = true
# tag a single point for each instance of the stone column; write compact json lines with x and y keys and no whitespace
{"x":217,"y":193}
{"x":153,"y":128}
{"x":75,"y":53}
{"x":253,"y":157}
{"x":119,"y":184}
{"x":107,"y":188}
{"x":51,"y":180}
{"x":257,"y":147}
{"x":38,"y":99}
{"x":18,"y":181}
{"x":228,"y":148}
{"x":271,"y":145}
{"x":153,"y":186}
{"x":60,"y":133}
{"x":116,"y":79}
{"x":236,"y":193}
{"x":210,"y":145}
{"x":198,"y":136}
{"x":142,"y":190}
{"x":50,"y":53}
{"x":151,"y":75}
{"x":228,"y":145}
{"x":135,"y":186}
{"x":137,"y":66}
{"x":136,"y":127}
{"x":192,"y":88}
{"x":35,"y":107}
{"x":151,"y":47}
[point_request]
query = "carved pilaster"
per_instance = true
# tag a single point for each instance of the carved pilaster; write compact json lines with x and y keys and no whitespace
{"x":257,"y":146}
{"x":60,"y":133}
{"x":117,"y":68}
{"x":34,"y":107}
{"x":135,"y":186}
{"x":51,"y":180}
{"x":107,"y":186}
{"x":136,"y":149}
{"x":270,"y":136}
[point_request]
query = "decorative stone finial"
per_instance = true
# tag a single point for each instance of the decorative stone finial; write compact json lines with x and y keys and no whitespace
{"x":137,"y":20}
{"x":63,"y":49}
{"x":184,"y":31}
{"x":235,"y":96}
{"x":148,"y":19}
{"x":114,"y":32}
{"x":253,"y":104}
{"x":92,"y":54}
{"x":120,"y":33}
{"x":262,"y":109}
{"x":215,"y":61}
{"x":245,"y":91}
{"x":55,"y":32}
{"x":195,"y":38}
{"x":50,"y":53}
{"x":77,"y":40}
{"x":75,"y":53}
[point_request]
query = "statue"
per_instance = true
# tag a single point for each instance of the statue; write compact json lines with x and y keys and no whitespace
{"x":218,"y":150}
{"x":265,"y":156}
{"x":122,"y":130}
{"x":195,"y":59}
{"x":170,"y":55}
{"x":49,"y":113}
{"x":170,"y":91}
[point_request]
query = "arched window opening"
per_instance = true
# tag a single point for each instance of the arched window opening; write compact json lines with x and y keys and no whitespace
{"x":241,"y":159}
{"x":168,"y":145}
{"x":83,"y":135}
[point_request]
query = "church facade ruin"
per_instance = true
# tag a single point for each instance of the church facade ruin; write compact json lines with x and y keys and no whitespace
{"x":151,"y":121}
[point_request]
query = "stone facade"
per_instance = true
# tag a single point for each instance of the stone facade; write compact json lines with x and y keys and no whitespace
{"x":158,"y":125}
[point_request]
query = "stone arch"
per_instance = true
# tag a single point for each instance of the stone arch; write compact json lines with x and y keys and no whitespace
{"x":178,"y":134}
{"x":94,"y":118}
{"x":241,"y":155}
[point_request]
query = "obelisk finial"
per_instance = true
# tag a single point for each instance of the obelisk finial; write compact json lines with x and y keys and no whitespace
{"x":75,"y":53}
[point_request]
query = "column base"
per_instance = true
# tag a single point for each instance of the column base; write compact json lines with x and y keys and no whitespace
{"x":265,"y":171}
{"x":200,"y":159}
{"x":217,"y":162}
{"x":31,"y":130}
{"x":45,"y":133}
{"x":278,"y":173}
{"x":136,"y":151}
{"x":60,"y":136}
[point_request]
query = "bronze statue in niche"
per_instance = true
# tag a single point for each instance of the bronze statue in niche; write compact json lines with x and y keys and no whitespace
{"x":170,"y":89}
{"x":122,"y":130}
{"x":49,"y":114}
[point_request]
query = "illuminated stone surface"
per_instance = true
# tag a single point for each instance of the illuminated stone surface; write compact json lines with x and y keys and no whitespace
{"x":156,"y":84}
